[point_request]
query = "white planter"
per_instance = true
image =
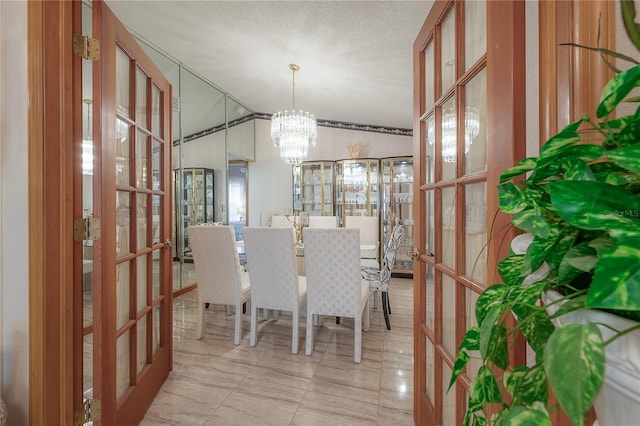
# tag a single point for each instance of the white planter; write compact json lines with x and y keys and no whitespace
{"x":618,"y":403}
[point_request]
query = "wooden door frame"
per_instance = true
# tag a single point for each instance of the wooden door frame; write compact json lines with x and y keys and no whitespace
{"x":51,"y":136}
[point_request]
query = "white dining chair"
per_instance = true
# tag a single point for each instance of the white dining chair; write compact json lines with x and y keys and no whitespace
{"x":369,"y":227}
{"x":334,"y":284}
{"x":273,"y":270}
{"x":220,"y":277}
{"x":279,"y":221}
{"x":323,"y":221}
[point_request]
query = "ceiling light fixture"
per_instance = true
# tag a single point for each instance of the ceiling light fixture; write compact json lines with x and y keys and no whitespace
{"x":293,"y":131}
{"x":449,"y":135}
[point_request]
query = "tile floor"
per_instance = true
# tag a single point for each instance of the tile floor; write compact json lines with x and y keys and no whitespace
{"x":214,"y":382}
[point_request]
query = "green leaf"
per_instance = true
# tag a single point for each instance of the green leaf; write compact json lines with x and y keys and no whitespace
{"x":484,"y":390}
{"x":490,"y":297}
{"x":580,"y":258}
{"x":576,"y":169}
{"x":628,"y":157}
{"x":617,"y":89}
{"x":523,"y":166}
{"x":536,"y":328}
{"x":458,"y":366}
{"x":489,"y":329}
{"x":498,"y":351}
{"x":538,"y":252}
{"x":616,"y":282}
{"x":629,"y":19}
{"x":566,"y":239}
{"x":596,"y":205}
{"x":576,"y":382}
{"x":533,"y":221}
{"x":525,"y":416}
{"x":533,"y":386}
{"x":567,"y":136}
{"x":511,"y":378}
{"x":511,"y":198}
{"x":509,"y":270}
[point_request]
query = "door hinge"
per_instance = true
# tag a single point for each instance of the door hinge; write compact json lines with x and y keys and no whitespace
{"x":87,"y":228}
{"x":89,"y":411}
{"x":85,"y":47}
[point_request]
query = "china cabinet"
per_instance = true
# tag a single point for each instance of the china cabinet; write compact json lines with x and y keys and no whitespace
{"x":397,"y":205}
{"x":313,"y":188}
{"x":357,"y":188}
{"x":194,"y":205}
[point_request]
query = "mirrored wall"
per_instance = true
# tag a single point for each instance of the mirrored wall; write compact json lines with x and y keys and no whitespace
{"x":210,"y":130}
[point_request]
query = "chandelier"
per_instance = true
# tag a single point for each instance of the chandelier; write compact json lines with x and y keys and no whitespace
{"x":293,"y":131}
{"x":449,"y":136}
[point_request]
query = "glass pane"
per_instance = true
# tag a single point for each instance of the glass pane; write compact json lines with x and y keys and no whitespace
{"x":123,"y":158}
{"x":142,"y":160}
{"x":156,"y":125}
{"x":471,"y":298}
{"x":156,"y":329}
{"x":156,"y":183}
{"x":141,"y":215}
{"x":449,"y":227}
{"x":476,"y":232}
{"x":449,"y":139}
{"x":87,"y":365}
{"x":475,"y":31}
{"x":122,"y":365}
{"x":122,"y":294}
{"x":449,"y":397}
{"x":123,"y":68}
{"x":430,"y":371}
{"x":449,"y":314}
{"x":430,"y":150}
{"x":448,"y":34}
{"x":141,"y":360}
{"x":430,"y":302}
{"x":475,"y":123}
{"x":141,"y":282}
{"x":430,"y":228}
{"x":141,"y":99}
{"x":157,"y":211}
{"x":429,"y":77}
{"x":123,"y":229}
{"x":155,"y":277}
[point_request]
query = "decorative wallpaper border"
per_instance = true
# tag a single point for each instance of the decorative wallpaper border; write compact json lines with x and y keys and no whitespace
{"x":322,"y":123}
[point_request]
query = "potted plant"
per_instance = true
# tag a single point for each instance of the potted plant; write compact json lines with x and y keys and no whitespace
{"x":578,"y":203}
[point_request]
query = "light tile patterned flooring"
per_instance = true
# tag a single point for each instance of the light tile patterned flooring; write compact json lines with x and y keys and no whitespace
{"x":214,"y":382}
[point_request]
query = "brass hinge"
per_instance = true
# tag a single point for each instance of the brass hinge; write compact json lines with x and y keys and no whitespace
{"x":87,"y":48}
{"x":89,"y":411}
{"x":87,"y":228}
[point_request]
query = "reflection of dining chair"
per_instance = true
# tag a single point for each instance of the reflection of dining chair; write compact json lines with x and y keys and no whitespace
{"x":278,"y":221}
{"x":369,"y":236}
{"x":323,"y":221}
{"x":334,"y":284}
{"x":219,"y":275}
{"x":379,"y":278}
{"x":273,"y":269}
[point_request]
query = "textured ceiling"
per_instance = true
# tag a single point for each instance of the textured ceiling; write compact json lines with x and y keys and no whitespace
{"x":355,"y":57}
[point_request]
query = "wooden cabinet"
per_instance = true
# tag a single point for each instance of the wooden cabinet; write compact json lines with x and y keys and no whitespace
{"x":194,"y":205}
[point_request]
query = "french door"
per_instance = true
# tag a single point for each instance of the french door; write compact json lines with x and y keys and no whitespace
{"x":468,"y":125}
{"x":127,"y":299}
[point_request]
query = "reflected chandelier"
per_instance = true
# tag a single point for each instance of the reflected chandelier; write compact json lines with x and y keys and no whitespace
{"x":449,"y":136}
{"x":293,"y":131}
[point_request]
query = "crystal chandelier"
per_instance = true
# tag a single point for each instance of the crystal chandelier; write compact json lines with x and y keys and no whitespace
{"x":293,"y":131}
{"x":449,"y":136}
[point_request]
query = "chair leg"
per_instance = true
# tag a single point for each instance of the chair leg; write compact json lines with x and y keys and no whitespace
{"x":309,"y":342}
{"x":200,"y":321}
{"x":337,"y":320}
{"x":357,"y":340}
{"x":265,"y":313}
{"x":294,"y":332}
{"x":253,"y":337}
{"x":365,"y":312}
{"x":385,"y":308}
{"x":375,"y":299}
{"x":238,"y":333}
{"x":388,"y":303}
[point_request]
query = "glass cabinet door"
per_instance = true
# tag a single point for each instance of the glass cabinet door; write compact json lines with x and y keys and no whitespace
{"x":357,"y":185}
{"x":314,"y":183}
{"x":397,"y":206}
{"x":194,"y":194}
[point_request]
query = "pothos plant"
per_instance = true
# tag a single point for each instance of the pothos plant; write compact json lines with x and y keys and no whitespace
{"x":580,"y":200}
